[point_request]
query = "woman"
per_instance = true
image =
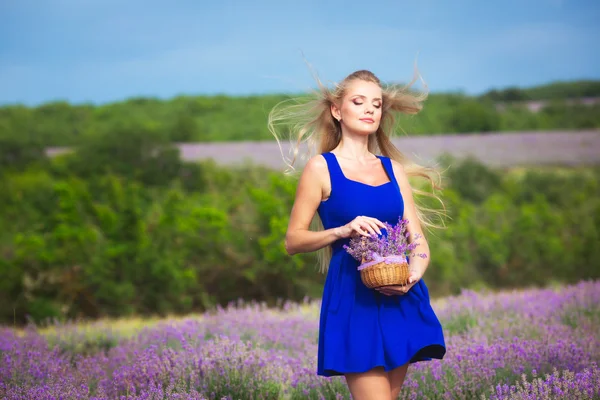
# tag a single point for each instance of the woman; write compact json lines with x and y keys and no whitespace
{"x":368,"y":335}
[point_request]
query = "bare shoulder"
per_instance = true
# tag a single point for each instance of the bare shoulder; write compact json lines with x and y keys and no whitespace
{"x":316,"y":175}
{"x":397,"y":166}
{"x":399,"y":171}
{"x":316,"y":165}
{"x":309,"y":193}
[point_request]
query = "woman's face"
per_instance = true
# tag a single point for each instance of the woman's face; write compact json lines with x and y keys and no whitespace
{"x":360,"y":109}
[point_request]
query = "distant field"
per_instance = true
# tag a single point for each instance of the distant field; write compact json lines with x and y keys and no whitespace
{"x":497,"y":149}
{"x":561,"y":148}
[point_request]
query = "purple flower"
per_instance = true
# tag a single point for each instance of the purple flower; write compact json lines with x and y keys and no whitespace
{"x":525,"y":344}
{"x":393,"y":241}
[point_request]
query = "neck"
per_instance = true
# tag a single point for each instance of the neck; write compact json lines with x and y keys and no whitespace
{"x":355,"y":147}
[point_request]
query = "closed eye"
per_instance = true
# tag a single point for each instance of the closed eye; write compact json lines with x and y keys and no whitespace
{"x":358,"y":103}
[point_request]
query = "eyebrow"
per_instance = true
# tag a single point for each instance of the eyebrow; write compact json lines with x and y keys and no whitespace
{"x":364,"y":97}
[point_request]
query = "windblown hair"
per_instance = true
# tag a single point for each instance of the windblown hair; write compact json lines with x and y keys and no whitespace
{"x":309,"y":121}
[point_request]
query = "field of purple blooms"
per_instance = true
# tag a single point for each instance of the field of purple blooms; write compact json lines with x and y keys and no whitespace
{"x":527,"y":344}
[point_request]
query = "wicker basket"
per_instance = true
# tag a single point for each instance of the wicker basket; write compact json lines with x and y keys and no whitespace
{"x":385,"y":273}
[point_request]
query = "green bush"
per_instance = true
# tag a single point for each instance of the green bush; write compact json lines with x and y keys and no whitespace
{"x":107,"y":241}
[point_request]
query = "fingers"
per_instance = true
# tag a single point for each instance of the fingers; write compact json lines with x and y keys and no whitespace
{"x":367,"y":226}
{"x":358,"y":228}
{"x":414,"y":276}
{"x":365,"y":229}
{"x":392,"y":293}
{"x":361,"y":228}
{"x":375,"y":223}
{"x":394,"y":290}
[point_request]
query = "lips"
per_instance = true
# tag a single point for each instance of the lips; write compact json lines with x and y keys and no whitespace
{"x":369,"y":120}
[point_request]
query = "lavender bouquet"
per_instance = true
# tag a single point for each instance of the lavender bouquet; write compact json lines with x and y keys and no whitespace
{"x":390,"y":247}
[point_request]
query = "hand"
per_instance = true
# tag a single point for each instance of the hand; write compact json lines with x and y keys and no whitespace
{"x":414,"y":277}
{"x":361,"y":225}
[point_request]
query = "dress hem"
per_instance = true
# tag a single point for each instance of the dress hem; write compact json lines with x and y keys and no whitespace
{"x":427,"y":353}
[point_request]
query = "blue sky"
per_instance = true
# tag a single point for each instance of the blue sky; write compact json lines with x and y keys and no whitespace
{"x":99,"y":51}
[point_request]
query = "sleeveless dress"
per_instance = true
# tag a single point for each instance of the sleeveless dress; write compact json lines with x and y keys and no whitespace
{"x":360,"y":328}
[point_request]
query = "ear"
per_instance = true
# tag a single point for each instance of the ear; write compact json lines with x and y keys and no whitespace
{"x":335,"y":112}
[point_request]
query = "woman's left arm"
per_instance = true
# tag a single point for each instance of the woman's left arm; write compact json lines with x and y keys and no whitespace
{"x":418,"y":265}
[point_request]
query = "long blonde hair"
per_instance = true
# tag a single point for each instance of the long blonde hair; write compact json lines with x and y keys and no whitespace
{"x":309,"y":121}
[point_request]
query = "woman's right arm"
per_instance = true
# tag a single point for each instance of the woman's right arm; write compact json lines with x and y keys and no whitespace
{"x":298,"y":238}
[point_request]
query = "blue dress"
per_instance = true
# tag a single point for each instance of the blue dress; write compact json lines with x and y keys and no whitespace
{"x":360,"y":328}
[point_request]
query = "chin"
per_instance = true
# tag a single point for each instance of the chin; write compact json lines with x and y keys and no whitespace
{"x":362,"y":130}
{"x":366,"y":133}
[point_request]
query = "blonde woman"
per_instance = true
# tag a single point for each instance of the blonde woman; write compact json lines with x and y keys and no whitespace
{"x":357,"y":181}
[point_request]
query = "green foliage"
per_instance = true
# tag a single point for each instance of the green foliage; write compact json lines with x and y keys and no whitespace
{"x":95,"y":235}
{"x":139,"y":151}
{"x":474,"y":116}
{"x":19,"y":146}
{"x":223,"y":118}
{"x":555,"y":90}
{"x":472,"y":180}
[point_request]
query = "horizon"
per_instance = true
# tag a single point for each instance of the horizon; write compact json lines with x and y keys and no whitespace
{"x":249,"y":95}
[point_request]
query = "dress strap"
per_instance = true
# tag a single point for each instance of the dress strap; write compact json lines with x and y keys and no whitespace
{"x":335,"y":171}
{"x":387,"y":165}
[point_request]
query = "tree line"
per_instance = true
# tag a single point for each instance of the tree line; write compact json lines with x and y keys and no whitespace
{"x":224,"y":118}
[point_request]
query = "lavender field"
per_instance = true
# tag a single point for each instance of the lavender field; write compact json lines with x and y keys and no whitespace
{"x":501,"y":149}
{"x":531,"y":344}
